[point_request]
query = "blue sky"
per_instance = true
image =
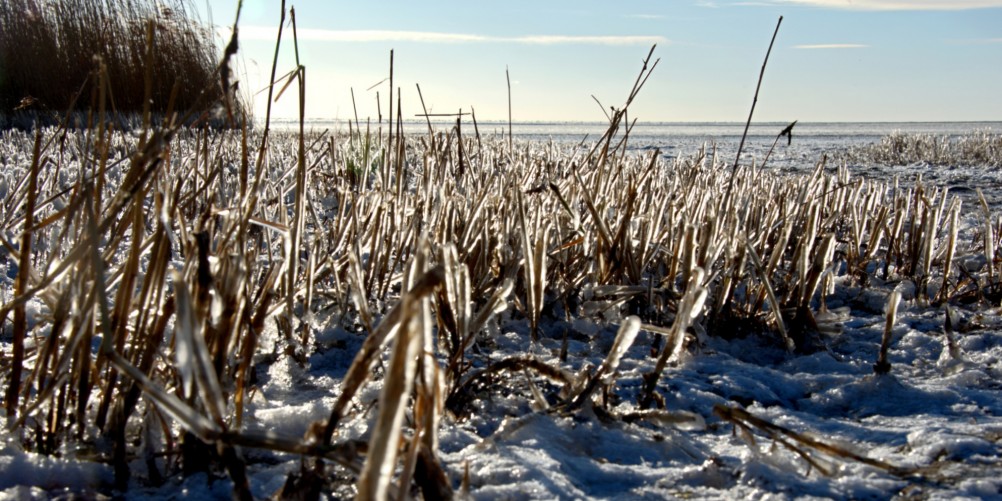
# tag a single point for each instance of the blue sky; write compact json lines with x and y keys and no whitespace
{"x":834,"y":60}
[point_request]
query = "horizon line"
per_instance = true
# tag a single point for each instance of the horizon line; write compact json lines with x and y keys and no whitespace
{"x":419,"y":121}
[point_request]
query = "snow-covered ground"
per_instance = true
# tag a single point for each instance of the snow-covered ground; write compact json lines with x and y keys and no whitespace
{"x":935,"y":420}
{"x":937,"y":415}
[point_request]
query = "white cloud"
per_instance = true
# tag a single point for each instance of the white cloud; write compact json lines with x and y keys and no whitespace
{"x":832,"y":46}
{"x":895,"y":4}
{"x":269,"y":33}
{"x":588,"y":40}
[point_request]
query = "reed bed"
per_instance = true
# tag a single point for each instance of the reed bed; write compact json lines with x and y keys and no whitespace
{"x":123,"y":58}
{"x":151,"y":276}
{"x":980,"y":148}
{"x":144,"y":274}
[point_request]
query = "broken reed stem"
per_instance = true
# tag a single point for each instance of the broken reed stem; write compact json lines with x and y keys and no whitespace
{"x":389,"y":140}
{"x":951,"y":247}
{"x":883,"y":366}
{"x":741,"y":145}
{"x":788,"y":132}
{"x":431,"y":131}
{"x":511,"y":149}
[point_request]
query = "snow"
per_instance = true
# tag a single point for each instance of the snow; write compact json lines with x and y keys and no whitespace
{"x":938,"y":412}
{"x":27,"y":475}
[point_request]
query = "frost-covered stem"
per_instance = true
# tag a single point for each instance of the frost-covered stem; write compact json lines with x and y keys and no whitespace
{"x":883,"y":366}
{"x":989,"y":239}
{"x":23,"y":273}
{"x":688,"y":309}
{"x":951,"y":247}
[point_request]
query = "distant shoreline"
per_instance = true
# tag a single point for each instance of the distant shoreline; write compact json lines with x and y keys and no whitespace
{"x":413,"y":121}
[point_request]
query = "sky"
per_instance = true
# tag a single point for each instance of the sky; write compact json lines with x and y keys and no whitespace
{"x":833,"y":60}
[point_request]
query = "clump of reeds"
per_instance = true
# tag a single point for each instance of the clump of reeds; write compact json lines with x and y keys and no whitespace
{"x":980,"y":148}
{"x":65,"y":55}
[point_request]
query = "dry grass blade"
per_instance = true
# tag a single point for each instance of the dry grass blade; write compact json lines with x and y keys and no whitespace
{"x":989,"y":236}
{"x":684,"y":420}
{"x":822,"y":257}
{"x":737,"y":160}
{"x":534,"y":265}
{"x":191,"y":420}
{"x":361,"y":366}
{"x":495,"y":305}
{"x":745,"y":420}
{"x":422,"y":463}
{"x":538,"y":282}
{"x":358,"y":295}
{"x":457,"y":297}
{"x":773,"y":300}
{"x":377,"y":474}
{"x":606,"y":373}
{"x":192,"y":355}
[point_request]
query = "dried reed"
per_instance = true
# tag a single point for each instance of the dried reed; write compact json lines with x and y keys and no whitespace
{"x":48,"y":49}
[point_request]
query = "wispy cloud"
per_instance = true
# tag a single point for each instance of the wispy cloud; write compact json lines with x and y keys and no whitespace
{"x":831,"y":46}
{"x":586,"y":40}
{"x":268,"y":33}
{"x":887,"y":4}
